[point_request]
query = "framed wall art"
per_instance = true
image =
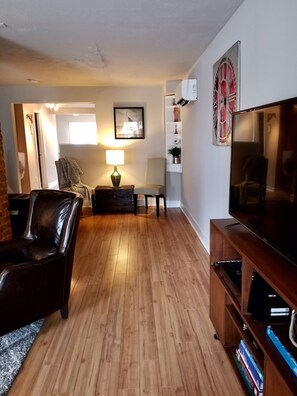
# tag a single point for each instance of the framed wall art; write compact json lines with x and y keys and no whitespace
{"x":129,"y":122}
{"x":225,"y":94}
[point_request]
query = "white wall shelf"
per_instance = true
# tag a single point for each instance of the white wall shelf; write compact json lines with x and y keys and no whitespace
{"x":173,"y":131}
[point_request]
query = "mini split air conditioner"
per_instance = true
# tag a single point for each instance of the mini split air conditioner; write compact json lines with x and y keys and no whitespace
{"x":186,"y":91}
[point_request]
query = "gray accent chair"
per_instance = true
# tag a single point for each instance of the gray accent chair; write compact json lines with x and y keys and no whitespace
{"x":155,"y":184}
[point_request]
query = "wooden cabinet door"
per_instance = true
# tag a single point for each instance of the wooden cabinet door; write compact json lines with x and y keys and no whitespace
{"x":218,"y":299}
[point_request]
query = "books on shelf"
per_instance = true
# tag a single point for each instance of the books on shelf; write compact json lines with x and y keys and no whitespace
{"x":251,"y":364}
{"x":248,"y":379}
{"x":283,"y":344}
{"x":249,"y":369}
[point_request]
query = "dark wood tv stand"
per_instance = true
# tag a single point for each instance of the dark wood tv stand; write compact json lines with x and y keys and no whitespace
{"x":229,"y":313}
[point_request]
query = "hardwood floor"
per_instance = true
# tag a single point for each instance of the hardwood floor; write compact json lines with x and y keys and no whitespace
{"x":139,"y":321}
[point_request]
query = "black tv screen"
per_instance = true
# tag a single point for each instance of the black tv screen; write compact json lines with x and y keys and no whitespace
{"x":263,"y":176}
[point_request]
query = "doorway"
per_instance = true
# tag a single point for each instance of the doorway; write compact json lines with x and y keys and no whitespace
{"x":37,"y":139}
{"x":37,"y":147}
{"x":40,"y":150}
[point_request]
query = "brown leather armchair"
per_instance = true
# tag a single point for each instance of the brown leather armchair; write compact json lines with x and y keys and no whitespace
{"x":36,"y":268}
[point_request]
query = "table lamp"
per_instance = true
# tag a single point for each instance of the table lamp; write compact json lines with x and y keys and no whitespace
{"x":115,"y":157}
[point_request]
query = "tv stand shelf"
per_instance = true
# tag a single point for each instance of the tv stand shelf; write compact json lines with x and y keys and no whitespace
{"x":229,"y":307}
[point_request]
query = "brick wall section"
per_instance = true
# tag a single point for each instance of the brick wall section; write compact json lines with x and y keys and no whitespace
{"x":5,"y":227}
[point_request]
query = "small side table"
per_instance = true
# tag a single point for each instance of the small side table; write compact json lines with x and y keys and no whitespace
{"x":108,"y":199}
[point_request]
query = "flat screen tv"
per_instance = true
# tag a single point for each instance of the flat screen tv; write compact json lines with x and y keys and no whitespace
{"x":263,"y":177}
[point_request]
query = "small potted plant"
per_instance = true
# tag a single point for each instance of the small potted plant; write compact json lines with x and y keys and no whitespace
{"x":175,"y":152}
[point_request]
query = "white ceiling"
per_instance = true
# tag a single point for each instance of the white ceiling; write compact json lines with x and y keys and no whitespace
{"x":105,"y":42}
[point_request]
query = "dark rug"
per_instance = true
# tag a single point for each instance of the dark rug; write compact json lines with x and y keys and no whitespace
{"x":14,"y":348}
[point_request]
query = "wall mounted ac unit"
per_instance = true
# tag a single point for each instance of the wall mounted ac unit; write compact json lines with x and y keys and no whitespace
{"x":186,"y":91}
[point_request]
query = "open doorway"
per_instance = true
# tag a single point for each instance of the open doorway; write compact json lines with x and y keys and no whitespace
{"x":36,"y":145}
{"x":40,"y":150}
{"x":38,"y":142}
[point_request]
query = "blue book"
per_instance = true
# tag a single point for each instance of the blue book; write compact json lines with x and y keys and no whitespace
{"x":252,"y":386}
{"x":244,"y":374}
{"x":279,"y":344}
{"x":251,"y":364}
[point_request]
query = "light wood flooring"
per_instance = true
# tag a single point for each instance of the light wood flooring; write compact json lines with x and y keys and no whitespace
{"x":139,"y":321}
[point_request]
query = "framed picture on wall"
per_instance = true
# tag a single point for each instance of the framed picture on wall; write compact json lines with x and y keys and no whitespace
{"x":129,"y":122}
{"x":225,"y":94}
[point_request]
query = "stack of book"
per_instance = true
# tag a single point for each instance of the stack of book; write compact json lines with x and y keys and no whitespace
{"x":279,"y":337}
{"x":249,"y":369}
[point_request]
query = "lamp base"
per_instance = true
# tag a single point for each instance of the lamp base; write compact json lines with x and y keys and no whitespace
{"x":115,"y":177}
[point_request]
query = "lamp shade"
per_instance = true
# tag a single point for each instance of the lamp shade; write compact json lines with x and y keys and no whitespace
{"x":115,"y":157}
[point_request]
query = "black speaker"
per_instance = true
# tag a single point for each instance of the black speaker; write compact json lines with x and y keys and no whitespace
{"x":265,"y":304}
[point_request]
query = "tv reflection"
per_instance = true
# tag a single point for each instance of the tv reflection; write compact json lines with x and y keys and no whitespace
{"x":263,"y":177}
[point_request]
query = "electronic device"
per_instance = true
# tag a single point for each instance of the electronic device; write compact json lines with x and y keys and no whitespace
{"x":265,"y":304}
{"x":263,"y":175}
{"x":231,"y":268}
{"x":231,"y":272}
{"x":186,"y":91}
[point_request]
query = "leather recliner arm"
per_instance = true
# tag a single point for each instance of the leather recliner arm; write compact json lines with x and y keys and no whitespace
{"x":31,"y":289}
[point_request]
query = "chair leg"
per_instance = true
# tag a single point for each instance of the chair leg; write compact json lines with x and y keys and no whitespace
{"x":135,"y":197}
{"x":164,"y":201}
{"x":64,"y":311}
{"x":146,"y":202}
{"x":158,"y":204}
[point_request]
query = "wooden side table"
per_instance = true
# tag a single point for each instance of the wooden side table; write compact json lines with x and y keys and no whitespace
{"x":108,"y":199}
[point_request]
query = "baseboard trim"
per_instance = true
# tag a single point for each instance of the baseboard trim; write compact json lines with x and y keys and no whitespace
{"x":204,"y":240}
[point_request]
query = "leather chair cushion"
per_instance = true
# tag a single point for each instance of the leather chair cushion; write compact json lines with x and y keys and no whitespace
{"x":43,"y":227}
{"x":21,"y":249}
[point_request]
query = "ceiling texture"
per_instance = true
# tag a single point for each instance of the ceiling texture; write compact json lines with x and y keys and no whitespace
{"x":105,"y":42}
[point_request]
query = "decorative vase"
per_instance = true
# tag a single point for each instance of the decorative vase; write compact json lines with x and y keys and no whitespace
{"x":176,"y":114}
{"x":176,"y":160}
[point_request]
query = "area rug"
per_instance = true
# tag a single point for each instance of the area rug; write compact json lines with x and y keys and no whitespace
{"x":14,"y":348}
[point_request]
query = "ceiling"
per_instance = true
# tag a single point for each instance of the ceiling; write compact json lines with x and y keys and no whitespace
{"x":105,"y":42}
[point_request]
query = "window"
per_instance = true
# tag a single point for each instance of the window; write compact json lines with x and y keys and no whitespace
{"x":83,"y":133}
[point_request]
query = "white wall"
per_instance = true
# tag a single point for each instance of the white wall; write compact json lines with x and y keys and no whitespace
{"x":267,"y":30}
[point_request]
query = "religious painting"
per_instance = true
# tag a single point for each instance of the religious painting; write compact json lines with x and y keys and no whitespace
{"x":225,"y":94}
